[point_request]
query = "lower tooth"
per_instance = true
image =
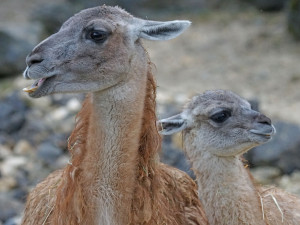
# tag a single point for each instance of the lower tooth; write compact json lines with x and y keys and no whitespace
{"x":30,"y":89}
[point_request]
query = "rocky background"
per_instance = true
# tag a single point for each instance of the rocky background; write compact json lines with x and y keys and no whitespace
{"x":248,"y":46}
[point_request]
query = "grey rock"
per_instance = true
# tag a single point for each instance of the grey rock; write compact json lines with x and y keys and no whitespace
{"x":48,"y":152}
{"x":283,"y":151}
{"x":23,"y":147}
{"x":59,"y":140}
{"x":5,"y":152}
{"x":22,"y":177}
{"x":19,"y":194}
{"x":12,"y":113}
{"x":6,"y":139}
{"x":11,"y":164}
{"x":12,"y":54}
{"x":9,"y":207}
{"x":7,"y":182}
{"x":34,"y":131}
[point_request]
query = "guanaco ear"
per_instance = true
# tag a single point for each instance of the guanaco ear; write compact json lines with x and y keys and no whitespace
{"x":158,"y":31}
{"x":171,"y":125}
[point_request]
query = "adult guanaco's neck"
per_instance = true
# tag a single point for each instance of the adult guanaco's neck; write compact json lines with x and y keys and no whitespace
{"x":112,"y":150}
{"x":226,"y":190}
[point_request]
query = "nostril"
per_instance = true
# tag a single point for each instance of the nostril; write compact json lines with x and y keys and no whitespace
{"x":34,"y":59}
{"x":264,"y":120}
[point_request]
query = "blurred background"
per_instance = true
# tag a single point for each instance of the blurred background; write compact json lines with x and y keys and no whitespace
{"x":251,"y":47}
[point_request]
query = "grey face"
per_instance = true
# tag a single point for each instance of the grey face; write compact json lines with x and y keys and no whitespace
{"x":94,"y":50}
{"x":220,"y":122}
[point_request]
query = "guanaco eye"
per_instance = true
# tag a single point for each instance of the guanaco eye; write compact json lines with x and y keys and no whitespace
{"x":220,"y":117}
{"x":98,"y":35}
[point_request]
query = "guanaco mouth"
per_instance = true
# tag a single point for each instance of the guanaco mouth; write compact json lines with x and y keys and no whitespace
{"x":34,"y":86}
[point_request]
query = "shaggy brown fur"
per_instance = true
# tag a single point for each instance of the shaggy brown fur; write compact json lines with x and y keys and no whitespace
{"x":162,"y":195}
{"x":286,"y":212}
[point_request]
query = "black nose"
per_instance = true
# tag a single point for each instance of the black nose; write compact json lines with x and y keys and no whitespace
{"x":33,"y":59}
{"x":261,"y":118}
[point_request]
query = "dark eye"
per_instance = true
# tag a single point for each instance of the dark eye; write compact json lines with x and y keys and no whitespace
{"x":98,"y":35}
{"x":220,"y":117}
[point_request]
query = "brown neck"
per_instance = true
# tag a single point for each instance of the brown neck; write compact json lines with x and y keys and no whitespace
{"x":105,"y":148}
{"x":112,"y":151}
{"x":226,"y":190}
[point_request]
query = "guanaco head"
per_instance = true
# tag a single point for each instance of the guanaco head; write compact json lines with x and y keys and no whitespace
{"x":94,"y":50}
{"x":219,"y":122}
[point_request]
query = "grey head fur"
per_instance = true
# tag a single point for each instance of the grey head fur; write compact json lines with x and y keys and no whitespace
{"x":94,"y":50}
{"x":220,"y":122}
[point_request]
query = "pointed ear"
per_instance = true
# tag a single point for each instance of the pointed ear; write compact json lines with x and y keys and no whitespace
{"x":171,"y":125}
{"x":157,"y":31}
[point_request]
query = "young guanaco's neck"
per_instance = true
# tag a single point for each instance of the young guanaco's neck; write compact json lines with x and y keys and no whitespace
{"x":226,"y":189}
